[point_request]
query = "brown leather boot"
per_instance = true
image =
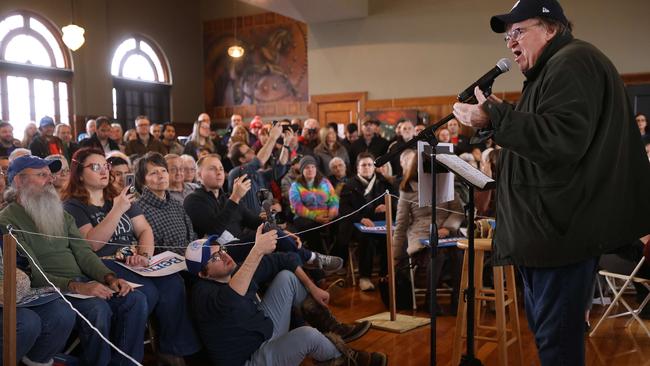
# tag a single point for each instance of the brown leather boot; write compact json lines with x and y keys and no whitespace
{"x":322,"y":319}
{"x":351,"y":357}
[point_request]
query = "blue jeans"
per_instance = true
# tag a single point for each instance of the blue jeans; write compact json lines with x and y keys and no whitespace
{"x":121,"y":319}
{"x":555,"y":308}
{"x":289,"y":347}
{"x":41,"y":331}
{"x":166,"y":300}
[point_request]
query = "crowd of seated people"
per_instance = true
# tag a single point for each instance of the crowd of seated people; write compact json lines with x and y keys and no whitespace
{"x":206,"y":189}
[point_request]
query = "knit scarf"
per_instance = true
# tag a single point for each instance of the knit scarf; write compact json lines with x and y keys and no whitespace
{"x":367,"y":184}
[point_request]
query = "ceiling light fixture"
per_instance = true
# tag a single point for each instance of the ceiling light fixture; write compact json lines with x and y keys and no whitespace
{"x":73,"y":35}
{"x":235,"y":51}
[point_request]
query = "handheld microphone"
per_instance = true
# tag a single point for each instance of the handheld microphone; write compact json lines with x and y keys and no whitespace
{"x":485,"y":82}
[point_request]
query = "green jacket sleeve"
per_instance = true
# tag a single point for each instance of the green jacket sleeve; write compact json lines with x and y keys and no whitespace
{"x":87,"y":260}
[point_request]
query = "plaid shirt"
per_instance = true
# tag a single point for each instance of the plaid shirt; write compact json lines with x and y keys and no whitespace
{"x":171,"y":225}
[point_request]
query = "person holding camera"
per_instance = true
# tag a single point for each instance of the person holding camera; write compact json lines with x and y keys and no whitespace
{"x":309,"y":137}
{"x":212,"y":211}
{"x":246,"y":162}
{"x":111,"y":222}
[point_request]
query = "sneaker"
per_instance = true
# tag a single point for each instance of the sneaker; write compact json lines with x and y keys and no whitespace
{"x":365,"y":284}
{"x":328,"y":263}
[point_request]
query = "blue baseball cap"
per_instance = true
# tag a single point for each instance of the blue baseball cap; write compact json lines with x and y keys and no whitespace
{"x":46,"y":121}
{"x":527,"y":9}
{"x":30,"y":161}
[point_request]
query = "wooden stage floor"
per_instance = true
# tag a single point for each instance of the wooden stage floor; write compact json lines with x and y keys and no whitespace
{"x":613,"y":345}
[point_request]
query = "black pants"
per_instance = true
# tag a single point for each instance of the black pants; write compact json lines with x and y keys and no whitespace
{"x":311,"y":239}
{"x":369,"y":245}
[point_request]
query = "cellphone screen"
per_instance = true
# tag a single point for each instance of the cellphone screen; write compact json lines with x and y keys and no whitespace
{"x":129,"y":180}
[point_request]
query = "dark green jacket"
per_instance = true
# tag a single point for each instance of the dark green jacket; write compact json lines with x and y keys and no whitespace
{"x":62,"y":260}
{"x":574,"y":179}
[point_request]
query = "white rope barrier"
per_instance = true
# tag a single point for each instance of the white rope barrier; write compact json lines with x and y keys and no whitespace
{"x":228,"y":245}
{"x":33,"y":262}
{"x":441,"y":208}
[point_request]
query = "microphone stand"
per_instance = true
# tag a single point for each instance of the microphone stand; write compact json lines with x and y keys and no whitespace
{"x":428,"y":135}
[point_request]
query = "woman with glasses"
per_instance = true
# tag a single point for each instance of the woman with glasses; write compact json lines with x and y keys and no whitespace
{"x":62,"y":177}
{"x":178,"y":188}
{"x":111,"y":221}
{"x":360,"y":190}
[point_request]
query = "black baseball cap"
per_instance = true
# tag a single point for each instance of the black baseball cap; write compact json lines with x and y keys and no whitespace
{"x":526,"y":9}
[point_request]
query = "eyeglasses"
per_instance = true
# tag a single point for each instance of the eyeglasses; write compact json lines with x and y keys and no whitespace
{"x":216,"y":256}
{"x":63,"y":172}
{"x":515,"y":34}
{"x":97,"y":167}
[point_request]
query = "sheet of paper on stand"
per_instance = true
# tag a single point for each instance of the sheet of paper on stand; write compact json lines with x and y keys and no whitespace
{"x":444,"y":181}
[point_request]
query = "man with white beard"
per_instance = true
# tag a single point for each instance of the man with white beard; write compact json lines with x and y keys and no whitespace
{"x":71,"y":265}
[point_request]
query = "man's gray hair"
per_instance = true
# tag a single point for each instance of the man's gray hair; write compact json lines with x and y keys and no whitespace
{"x":335,"y":159}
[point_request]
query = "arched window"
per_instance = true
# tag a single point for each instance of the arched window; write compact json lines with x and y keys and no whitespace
{"x":141,"y":82}
{"x":35,"y":71}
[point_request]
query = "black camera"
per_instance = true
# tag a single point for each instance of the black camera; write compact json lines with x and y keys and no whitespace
{"x":265,"y":197}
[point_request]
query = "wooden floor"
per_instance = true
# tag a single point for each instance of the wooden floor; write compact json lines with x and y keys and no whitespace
{"x":614,"y":345}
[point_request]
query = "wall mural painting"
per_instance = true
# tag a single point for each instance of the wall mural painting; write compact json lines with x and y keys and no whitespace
{"x":273,"y":68}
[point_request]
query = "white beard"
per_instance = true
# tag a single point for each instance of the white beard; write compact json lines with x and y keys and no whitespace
{"x":45,"y":208}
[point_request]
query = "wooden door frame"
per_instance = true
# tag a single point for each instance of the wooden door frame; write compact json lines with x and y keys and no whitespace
{"x":361,"y":98}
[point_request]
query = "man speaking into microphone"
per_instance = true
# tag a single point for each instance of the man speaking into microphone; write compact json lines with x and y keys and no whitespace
{"x":573,"y":179}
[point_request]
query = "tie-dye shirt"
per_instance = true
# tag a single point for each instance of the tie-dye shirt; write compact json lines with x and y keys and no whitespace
{"x":313,"y":201}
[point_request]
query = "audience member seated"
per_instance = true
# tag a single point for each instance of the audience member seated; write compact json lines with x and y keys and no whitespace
{"x":642,"y":122}
{"x":309,"y":135}
{"x":461,"y":142}
{"x":144,"y":141}
{"x":170,"y":224}
{"x":237,"y":328}
{"x":339,"y":175}
{"x":351,"y":135}
{"x":189,"y":168}
{"x":406,"y":133}
{"x":314,"y":203}
{"x":156,"y":131}
{"x":485,"y":201}
{"x":64,"y":132}
{"x":262,"y":138}
{"x":7,"y":141}
{"x":111,"y":221}
{"x":101,"y":139}
{"x":412,"y":224}
{"x":369,"y":142}
{"x":295,"y":147}
{"x":287,"y":181}
{"x":246,"y":162}
{"x":360,"y":190}
{"x":129,"y":135}
{"x":62,"y":177}
{"x":116,"y":136}
{"x":29,"y":134}
{"x":212,"y":211}
{"x":329,"y":148}
{"x":69,"y":262}
{"x":41,"y":330}
{"x":200,"y":137}
{"x":236,"y":120}
{"x":120,"y":167}
{"x":18,"y":153}
{"x":45,"y":143}
{"x":178,"y":188}
{"x":419,"y":127}
{"x":444,"y":135}
{"x":90,"y":130}
{"x":169,"y":139}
